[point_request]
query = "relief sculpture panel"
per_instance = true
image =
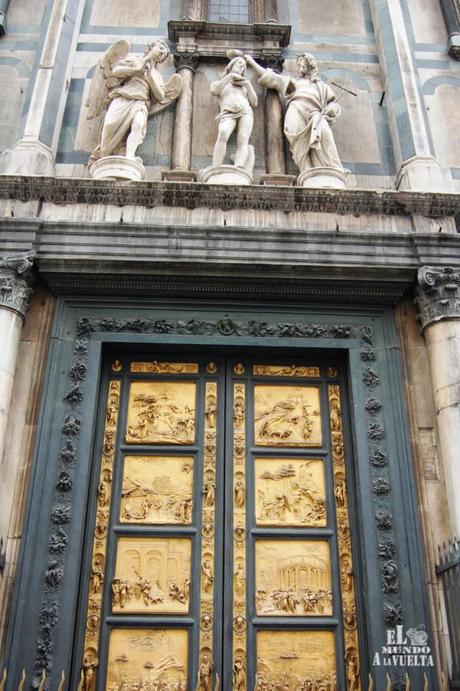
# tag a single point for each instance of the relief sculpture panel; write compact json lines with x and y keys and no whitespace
{"x":161,"y":413}
{"x":293,"y":578}
{"x":157,"y":490}
{"x":290,"y":492}
{"x":287,"y":416}
{"x":152,"y":575}
{"x":148,"y":659}
{"x":300,"y":660}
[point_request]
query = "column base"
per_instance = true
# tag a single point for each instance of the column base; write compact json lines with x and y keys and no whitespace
{"x":179,"y":175}
{"x":225,"y":175}
{"x":333,"y":178}
{"x":278,"y":179}
{"x":423,"y":174}
{"x":117,"y":168}
{"x":28,"y":157}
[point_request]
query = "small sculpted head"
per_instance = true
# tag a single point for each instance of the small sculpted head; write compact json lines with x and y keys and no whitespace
{"x":307,"y":66}
{"x":158,"y":51}
{"x":237,"y":65}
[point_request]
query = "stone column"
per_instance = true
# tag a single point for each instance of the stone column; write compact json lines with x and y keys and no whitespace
{"x":181,"y":159}
{"x":438,"y":301}
{"x":413,"y":147}
{"x":451,"y":11}
{"x":15,"y":291}
{"x":274,"y":131}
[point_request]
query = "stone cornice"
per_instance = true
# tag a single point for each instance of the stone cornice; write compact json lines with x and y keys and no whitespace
{"x":438,"y":295}
{"x":261,"y":30}
{"x":16,"y":281}
{"x":197,"y":195}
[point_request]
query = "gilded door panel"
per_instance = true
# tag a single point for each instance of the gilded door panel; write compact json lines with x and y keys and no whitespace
{"x":148,"y":659}
{"x":152,"y":575}
{"x":161,"y":412}
{"x":287,"y":416}
{"x":295,"y":660}
{"x":293,"y":577}
{"x":290,"y":492}
{"x":157,"y":490}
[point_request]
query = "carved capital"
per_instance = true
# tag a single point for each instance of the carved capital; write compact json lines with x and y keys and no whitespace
{"x":186,"y":60}
{"x":272,"y":62}
{"x":16,"y":281}
{"x":438,"y":295}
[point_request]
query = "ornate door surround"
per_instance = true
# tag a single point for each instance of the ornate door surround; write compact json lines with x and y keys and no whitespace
{"x":52,"y":556}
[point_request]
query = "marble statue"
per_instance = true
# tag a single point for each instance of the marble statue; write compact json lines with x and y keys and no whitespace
{"x":127,"y":89}
{"x":312,"y":107}
{"x":237,"y":99}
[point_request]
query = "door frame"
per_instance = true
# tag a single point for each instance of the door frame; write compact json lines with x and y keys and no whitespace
{"x":45,"y":602}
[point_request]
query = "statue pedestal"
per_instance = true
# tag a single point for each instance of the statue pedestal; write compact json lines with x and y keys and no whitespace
{"x":323,"y":178}
{"x":225,"y":175}
{"x":117,"y":168}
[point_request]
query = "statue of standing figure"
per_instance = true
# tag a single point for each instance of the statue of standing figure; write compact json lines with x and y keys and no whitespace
{"x":127,"y":89}
{"x":312,"y":107}
{"x":237,"y":99}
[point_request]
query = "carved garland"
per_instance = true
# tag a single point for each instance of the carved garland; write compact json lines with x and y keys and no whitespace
{"x":61,"y":510}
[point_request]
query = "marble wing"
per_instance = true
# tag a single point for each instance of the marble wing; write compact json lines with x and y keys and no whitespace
{"x":103,"y":80}
{"x":173,"y":88}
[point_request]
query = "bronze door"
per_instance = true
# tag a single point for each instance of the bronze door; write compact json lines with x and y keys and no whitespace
{"x":220,"y":543}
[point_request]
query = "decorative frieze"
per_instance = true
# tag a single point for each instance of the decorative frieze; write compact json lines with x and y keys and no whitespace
{"x":16,"y":282}
{"x":438,"y":294}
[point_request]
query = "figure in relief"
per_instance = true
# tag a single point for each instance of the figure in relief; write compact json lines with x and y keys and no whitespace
{"x":312,"y":107}
{"x":128,"y":89}
{"x":205,"y":675}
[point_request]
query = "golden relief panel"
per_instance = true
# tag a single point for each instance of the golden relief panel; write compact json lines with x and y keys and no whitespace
{"x":156,"y":367}
{"x":290,"y":492}
{"x":161,"y":413}
{"x":300,"y":660}
{"x":157,"y":490}
{"x":293,"y":578}
{"x":287,"y":416}
{"x":285,"y":371}
{"x":148,"y":659}
{"x":152,"y":575}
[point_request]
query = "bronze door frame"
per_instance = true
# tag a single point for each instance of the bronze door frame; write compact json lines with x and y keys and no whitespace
{"x":231,"y":375}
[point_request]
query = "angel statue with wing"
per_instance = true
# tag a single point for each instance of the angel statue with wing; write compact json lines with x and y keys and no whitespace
{"x":129,"y":89}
